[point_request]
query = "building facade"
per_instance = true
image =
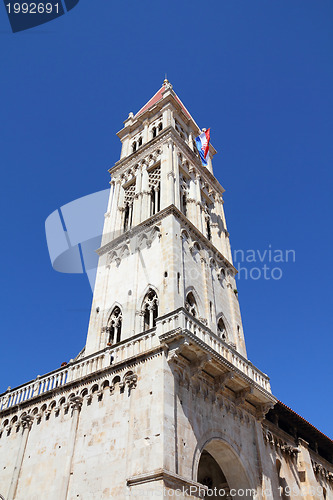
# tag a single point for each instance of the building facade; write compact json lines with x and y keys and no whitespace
{"x":162,"y":401}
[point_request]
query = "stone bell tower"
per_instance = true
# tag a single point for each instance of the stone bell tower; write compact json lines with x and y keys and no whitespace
{"x":162,"y":402}
{"x":165,"y":302}
{"x":165,"y":243}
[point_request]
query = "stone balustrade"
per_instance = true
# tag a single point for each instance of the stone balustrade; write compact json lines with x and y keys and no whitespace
{"x":74,"y":370}
{"x":77,"y":369}
{"x":182,"y":320}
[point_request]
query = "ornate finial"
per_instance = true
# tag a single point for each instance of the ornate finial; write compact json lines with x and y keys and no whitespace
{"x":166,"y":84}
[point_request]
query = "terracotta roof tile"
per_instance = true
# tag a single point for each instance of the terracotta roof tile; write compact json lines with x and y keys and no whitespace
{"x":156,"y":98}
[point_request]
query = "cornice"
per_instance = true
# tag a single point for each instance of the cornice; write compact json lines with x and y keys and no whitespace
{"x":147,"y":148}
{"x":154,"y":220}
{"x":191,"y":338}
{"x":164,"y":475}
{"x":95,"y":376}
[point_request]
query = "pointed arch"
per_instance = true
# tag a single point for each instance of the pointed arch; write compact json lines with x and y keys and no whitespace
{"x":192,"y":300}
{"x":149,"y":309}
{"x":237,"y":471}
{"x":223,"y":328}
{"x":115,"y":324}
{"x":191,"y":305}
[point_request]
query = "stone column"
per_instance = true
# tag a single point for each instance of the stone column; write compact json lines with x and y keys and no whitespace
{"x":76,"y":404}
{"x":145,"y":131}
{"x":190,"y":140}
{"x":108,"y":220}
{"x":26,"y":422}
{"x":137,"y":198}
{"x":216,"y":226}
{"x":206,"y":312}
{"x":119,"y":209}
{"x":164,"y":175}
{"x":151,"y":316}
{"x":112,"y":183}
{"x":146,"y":197}
{"x":198,"y":203}
{"x":170,"y":175}
{"x":156,"y":198}
{"x":114,"y":207}
{"x":191,"y":201}
{"x":176,"y":174}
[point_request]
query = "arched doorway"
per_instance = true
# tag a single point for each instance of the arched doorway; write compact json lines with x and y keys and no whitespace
{"x":221,"y":470}
{"x":211,"y":475}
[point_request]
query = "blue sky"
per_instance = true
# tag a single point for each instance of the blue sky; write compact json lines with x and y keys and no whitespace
{"x":259,"y":73}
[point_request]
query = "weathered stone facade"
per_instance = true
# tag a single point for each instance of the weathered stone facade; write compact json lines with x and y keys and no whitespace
{"x":162,"y":401}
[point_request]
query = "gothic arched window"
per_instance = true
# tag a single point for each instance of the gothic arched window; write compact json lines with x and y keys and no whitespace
{"x":154,"y":132}
{"x":114,"y":327}
{"x":208,"y":230}
{"x":134,"y":147}
{"x":126,"y":217}
{"x":221,"y":329}
{"x":160,"y":127}
{"x":150,"y":310}
{"x":191,"y":305}
{"x":140,"y":141}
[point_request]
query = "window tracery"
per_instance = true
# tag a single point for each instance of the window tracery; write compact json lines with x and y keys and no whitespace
{"x":149,"y":310}
{"x":114,"y":326}
{"x":191,"y":305}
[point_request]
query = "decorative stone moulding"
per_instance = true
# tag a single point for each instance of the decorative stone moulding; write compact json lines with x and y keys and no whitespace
{"x":68,"y":397}
{"x":319,"y":469}
{"x":279,"y":444}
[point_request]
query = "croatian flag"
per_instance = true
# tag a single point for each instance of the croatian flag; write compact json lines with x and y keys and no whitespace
{"x":202,"y":142}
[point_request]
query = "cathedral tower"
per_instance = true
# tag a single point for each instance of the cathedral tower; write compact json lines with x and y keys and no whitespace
{"x":162,"y":402}
{"x":165,"y":243}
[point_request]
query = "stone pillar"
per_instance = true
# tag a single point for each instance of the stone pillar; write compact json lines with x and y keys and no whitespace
{"x":263,"y":462}
{"x":190,"y":140}
{"x":176,"y":177}
{"x":191,"y":202}
{"x":309,"y":482}
{"x":145,"y":131}
{"x":146,"y":198}
{"x":151,"y":316}
{"x":119,"y":212}
{"x":26,"y":422}
{"x":137,"y":198}
{"x":198,"y":203}
{"x":114,"y":207}
{"x":142,"y":319}
{"x":216,"y":226}
{"x":170,"y":175}
{"x":76,"y":404}
{"x":164,"y":175}
{"x":108,"y":220}
{"x":166,"y":117}
{"x":206,"y":312}
{"x":156,"y":198}
{"x":125,"y":147}
{"x":226,"y":242}
{"x":112,"y":185}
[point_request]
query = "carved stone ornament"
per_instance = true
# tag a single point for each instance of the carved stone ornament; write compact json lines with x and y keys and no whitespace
{"x":27,"y":421}
{"x":76,"y":402}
